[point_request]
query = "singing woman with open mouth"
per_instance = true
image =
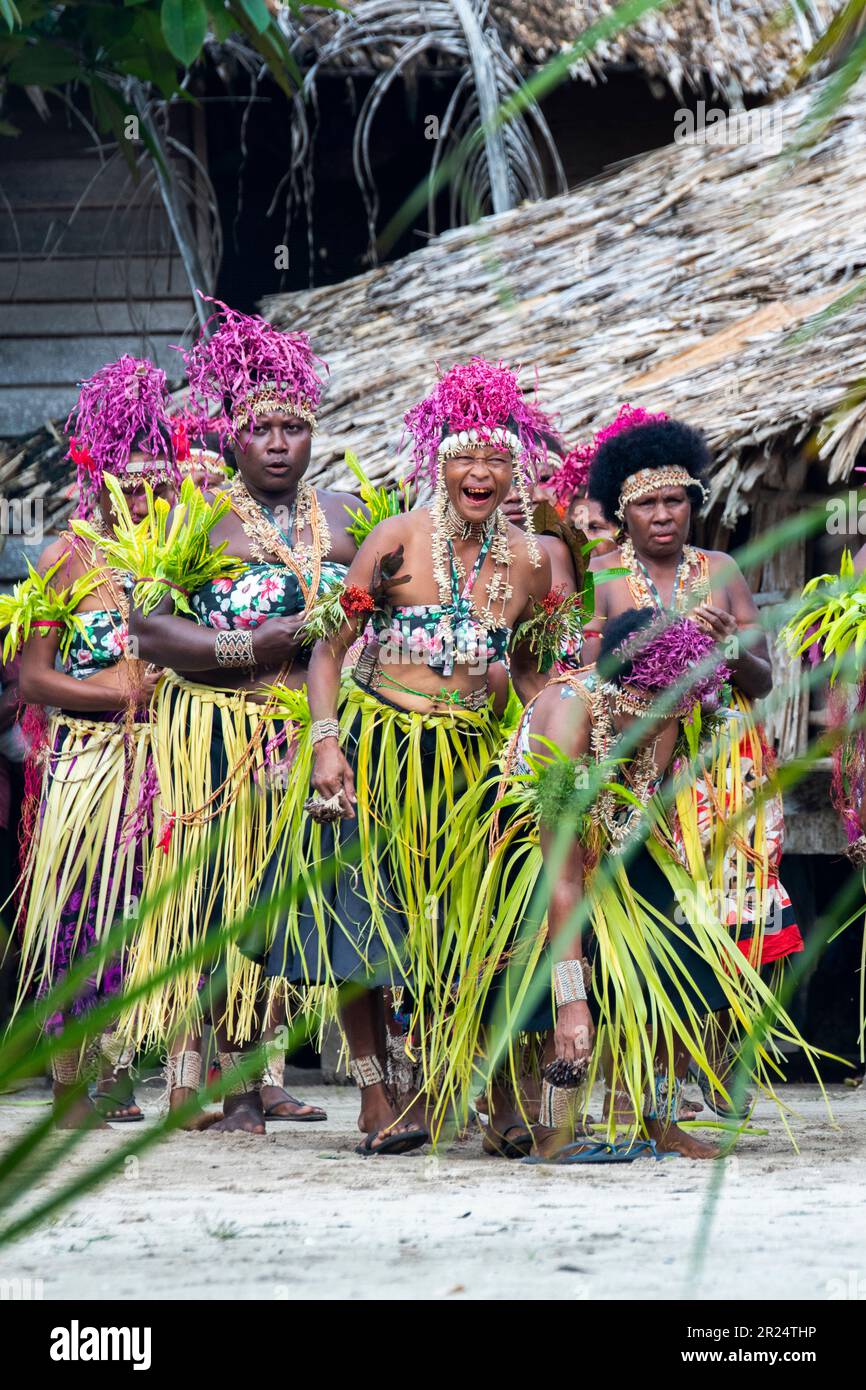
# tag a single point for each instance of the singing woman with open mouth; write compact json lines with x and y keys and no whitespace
{"x":417,"y":724}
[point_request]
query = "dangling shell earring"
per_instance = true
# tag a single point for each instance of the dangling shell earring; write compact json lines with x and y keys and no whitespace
{"x":526,"y":503}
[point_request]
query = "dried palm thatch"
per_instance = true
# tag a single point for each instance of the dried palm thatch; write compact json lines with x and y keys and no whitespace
{"x":733,"y":48}
{"x":686,"y":280}
{"x":37,"y":467}
{"x":729,"y":47}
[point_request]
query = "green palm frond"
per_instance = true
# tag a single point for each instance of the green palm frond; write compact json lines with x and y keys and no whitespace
{"x":380,"y":502}
{"x":832,"y":614}
{"x":288,"y":704}
{"x":163,"y":558}
{"x":35,"y":605}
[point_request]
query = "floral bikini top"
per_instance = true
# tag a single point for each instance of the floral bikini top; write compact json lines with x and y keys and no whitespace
{"x":263,"y":591}
{"x":444,"y":635}
{"x":103,"y":646}
{"x":100,"y":636}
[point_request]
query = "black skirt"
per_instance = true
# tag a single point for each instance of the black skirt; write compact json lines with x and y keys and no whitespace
{"x":704,"y":992}
{"x":353,"y":950}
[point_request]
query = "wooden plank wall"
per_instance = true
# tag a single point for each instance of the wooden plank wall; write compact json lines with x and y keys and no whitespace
{"x":88,"y":270}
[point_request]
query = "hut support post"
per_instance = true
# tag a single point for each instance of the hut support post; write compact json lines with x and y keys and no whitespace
{"x":175,"y":208}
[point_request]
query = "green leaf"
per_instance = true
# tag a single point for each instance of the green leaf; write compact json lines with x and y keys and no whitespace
{"x":43,"y":65}
{"x":274,"y":52}
{"x":222,"y":20}
{"x":258,"y":12}
{"x":10,"y":13}
{"x":144,"y":54}
{"x":109,"y":111}
{"x":184,"y":24}
{"x":7,"y":128}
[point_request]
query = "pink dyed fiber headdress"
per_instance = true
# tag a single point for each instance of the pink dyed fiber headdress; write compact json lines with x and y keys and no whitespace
{"x":661,"y":656}
{"x":478,"y":403}
{"x":573,"y":473}
{"x":248,"y":368}
{"x":122,"y":407}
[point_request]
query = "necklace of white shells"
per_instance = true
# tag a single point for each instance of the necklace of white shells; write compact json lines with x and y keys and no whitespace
{"x":448,"y":526}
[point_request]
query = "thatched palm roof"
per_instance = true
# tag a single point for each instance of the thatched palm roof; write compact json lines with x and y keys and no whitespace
{"x":684,"y":280}
{"x":726,"y":46}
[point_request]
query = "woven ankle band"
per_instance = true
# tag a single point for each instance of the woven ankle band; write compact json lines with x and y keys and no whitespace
{"x":557,"y":1105}
{"x":274,"y":1072}
{"x":366,"y":1071}
{"x":235,"y":1082}
{"x":66,"y":1067}
{"x":183,"y":1071}
{"x":118,"y":1053}
{"x":661,"y":1103}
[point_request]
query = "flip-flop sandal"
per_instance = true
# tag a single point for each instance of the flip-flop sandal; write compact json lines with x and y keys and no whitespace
{"x":498,"y":1145}
{"x":581,"y":1151}
{"x":295,"y":1119}
{"x":394,"y":1144}
{"x":104,"y":1103}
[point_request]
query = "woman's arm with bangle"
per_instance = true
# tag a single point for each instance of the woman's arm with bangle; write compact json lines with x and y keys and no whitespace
{"x":170,"y":640}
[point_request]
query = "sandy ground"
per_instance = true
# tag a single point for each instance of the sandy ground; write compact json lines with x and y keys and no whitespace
{"x":298,"y":1215}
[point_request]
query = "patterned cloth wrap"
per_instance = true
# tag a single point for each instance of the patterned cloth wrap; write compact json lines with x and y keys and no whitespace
{"x":417,"y":631}
{"x":570,"y":654}
{"x":104,"y":645}
{"x":414,"y":632}
{"x":263,"y":591}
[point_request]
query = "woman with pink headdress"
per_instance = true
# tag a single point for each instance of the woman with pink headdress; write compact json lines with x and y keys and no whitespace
{"x":225,"y":753}
{"x":92,"y":812}
{"x":392,"y":759}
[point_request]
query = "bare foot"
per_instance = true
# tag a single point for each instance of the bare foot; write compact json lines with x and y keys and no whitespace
{"x":378,"y":1113}
{"x":621,"y":1105}
{"x":688,"y":1109}
{"x":547,"y":1143}
{"x":241,"y":1115}
{"x":413,"y":1109}
{"x":182,"y":1095}
{"x":78,"y":1113}
{"x":278,"y":1104}
{"x":672,"y":1139}
{"x":725,"y":1110}
{"x":507,"y":1134}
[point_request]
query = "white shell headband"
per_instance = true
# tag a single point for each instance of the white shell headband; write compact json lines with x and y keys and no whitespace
{"x":648,"y":480}
{"x":454,"y":444}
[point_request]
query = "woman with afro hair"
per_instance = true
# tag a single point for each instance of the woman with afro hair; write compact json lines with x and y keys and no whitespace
{"x":648,"y":474}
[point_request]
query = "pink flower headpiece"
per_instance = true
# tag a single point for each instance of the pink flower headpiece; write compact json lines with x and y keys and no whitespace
{"x":121,"y":408}
{"x":572,"y":474}
{"x":662,"y":654}
{"x":247,"y":368}
{"x":480,"y":403}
